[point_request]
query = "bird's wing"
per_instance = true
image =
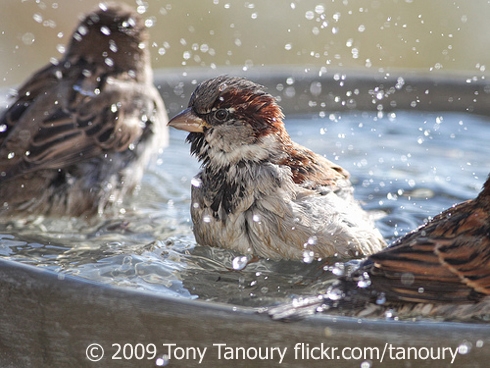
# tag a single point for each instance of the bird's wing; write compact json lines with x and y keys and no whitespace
{"x":448,"y":260}
{"x":468,"y":256}
{"x":59,"y":119}
{"x":44,"y":80}
{"x":314,"y":171}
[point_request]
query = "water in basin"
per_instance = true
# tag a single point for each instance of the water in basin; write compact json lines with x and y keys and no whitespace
{"x":406,"y":167}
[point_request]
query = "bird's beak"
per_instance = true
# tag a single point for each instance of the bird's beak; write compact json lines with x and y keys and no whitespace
{"x":188,"y":121}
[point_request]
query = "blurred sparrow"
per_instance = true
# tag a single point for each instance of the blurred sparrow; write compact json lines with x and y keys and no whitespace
{"x":80,"y":131}
{"x":259,"y":192}
{"x":440,"y":269}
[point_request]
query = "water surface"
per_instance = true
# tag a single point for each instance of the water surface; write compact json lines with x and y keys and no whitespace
{"x":406,"y":167}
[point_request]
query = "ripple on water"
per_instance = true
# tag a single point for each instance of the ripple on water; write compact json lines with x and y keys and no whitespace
{"x":404,"y":170}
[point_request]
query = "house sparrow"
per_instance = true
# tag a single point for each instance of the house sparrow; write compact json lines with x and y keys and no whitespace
{"x":440,"y":269}
{"x":80,"y":131}
{"x":258,"y":191}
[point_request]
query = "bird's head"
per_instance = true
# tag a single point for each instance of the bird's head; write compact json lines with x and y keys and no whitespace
{"x":233,"y":117}
{"x":113,"y":35}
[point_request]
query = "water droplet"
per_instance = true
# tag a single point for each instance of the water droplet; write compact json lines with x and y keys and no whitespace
{"x":334,"y":294}
{"x":58,"y":74}
{"x":338,"y":269}
{"x":421,"y":290}
{"x":3,"y":128}
{"x":112,"y":46}
{"x":105,"y":30}
{"x":312,"y":240}
{"x":407,"y":278}
{"x":298,"y":302}
{"x":28,"y":38}
{"x":366,"y":364}
{"x":308,"y":256}
{"x":239,"y":262}
{"x":319,"y":9}
{"x":390,"y":314}
{"x":206,"y":219}
{"x":109,"y":62}
{"x":38,"y":17}
{"x":399,"y":83}
{"x":196,"y":182}
{"x":364,"y":281}
{"x":131,"y":22}
{"x":61,"y":48}
{"x":464,"y":348}
{"x":11,"y":155}
{"x":381,"y":299}
{"x":316,"y":88}
{"x":141,"y":9}
{"x":162,"y":361}
{"x":82,"y":30}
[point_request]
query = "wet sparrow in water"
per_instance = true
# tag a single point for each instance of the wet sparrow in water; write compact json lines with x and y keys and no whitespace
{"x":81,"y":130}
{"x":442,"y":268}
{"x":259,"y":192}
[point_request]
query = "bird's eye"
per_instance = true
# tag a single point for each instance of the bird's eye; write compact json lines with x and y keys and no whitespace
{"x":221,"y":114}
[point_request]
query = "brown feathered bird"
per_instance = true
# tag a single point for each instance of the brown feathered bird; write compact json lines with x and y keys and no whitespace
{"x":80,"y":131}
{"x":440,"y":269}
{"x":258,"y":191}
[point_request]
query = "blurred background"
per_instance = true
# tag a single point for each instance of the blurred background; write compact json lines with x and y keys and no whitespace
{"x":427,"y":36}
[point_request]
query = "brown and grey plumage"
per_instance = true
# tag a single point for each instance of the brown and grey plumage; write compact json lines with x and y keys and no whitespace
{"x":77,"y":136}
{"x":258,"y":191}
{"x":441,"y":269}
